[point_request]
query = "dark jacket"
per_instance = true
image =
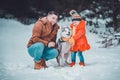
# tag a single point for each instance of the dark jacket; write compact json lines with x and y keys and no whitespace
{"x":44,"y":32}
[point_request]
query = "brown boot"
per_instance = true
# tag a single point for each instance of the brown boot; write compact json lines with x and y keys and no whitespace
{"x":39,"y":65}
{"x":43,"y":63}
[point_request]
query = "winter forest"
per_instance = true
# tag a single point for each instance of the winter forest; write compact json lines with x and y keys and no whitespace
{"x":17,"y":18}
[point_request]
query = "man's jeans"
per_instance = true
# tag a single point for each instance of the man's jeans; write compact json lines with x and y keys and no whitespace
{"x":38,"y":51}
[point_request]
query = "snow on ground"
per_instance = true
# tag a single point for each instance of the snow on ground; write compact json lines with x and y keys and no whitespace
{"x":16,"y":64}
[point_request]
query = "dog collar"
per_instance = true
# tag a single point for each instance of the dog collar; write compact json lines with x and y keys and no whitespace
{"x":61,"y":40}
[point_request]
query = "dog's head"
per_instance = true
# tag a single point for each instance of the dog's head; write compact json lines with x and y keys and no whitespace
{"x":65,"y":32}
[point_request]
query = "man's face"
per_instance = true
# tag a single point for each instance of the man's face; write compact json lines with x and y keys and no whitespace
{"x":52,"y":18}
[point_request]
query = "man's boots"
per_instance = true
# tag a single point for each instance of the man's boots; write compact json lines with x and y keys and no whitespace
{"x":41,"y":64}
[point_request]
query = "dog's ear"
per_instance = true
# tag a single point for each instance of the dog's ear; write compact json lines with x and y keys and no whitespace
{"x":68,"y":28}
{"x":62,"y":29}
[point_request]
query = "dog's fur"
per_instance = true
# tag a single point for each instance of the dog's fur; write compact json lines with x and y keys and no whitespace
{"x":64,"y":47}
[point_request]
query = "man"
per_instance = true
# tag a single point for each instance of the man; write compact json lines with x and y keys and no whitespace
{"x":41,"y":45}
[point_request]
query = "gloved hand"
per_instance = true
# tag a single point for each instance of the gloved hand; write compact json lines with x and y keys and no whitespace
{"x":64,"y":39}
{"x":51,"y":44}
{"x":71,"y":41}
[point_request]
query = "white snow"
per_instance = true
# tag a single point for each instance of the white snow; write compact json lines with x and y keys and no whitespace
{"x":16,"y":64}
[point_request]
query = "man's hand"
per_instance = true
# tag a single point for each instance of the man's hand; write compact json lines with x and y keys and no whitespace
{"x":51,"y":44}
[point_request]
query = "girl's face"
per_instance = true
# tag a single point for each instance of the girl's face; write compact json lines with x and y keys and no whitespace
{"x":76,"y":23}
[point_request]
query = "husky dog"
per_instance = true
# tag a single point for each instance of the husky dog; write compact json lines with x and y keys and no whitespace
{"x":64,"y":46}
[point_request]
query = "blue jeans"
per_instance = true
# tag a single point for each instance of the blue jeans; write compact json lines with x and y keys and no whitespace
{"x":38,"y":51}
{"x":73,"y":56}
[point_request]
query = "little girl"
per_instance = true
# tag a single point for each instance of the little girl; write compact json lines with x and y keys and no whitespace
{"x":78,"y":40}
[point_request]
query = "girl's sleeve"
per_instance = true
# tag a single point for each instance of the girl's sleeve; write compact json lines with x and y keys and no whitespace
{"x":80,"y":31}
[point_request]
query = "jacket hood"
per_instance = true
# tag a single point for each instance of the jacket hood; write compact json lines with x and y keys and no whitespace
{"x":44,"y":20}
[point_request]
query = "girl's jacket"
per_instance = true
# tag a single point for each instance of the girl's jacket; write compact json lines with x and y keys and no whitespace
{"x":79,"y":37}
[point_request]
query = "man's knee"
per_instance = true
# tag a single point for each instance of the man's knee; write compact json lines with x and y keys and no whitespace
{"x":50,"y":54}
{"x":36,"y":47}
{"x":39,"y":45}
{"x":55,"y":52}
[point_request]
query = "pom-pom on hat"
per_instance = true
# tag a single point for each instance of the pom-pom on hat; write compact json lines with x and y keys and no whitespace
{"x":75,"y":16}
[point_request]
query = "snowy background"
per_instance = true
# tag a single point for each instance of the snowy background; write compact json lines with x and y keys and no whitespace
{"x":102,"y":60}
